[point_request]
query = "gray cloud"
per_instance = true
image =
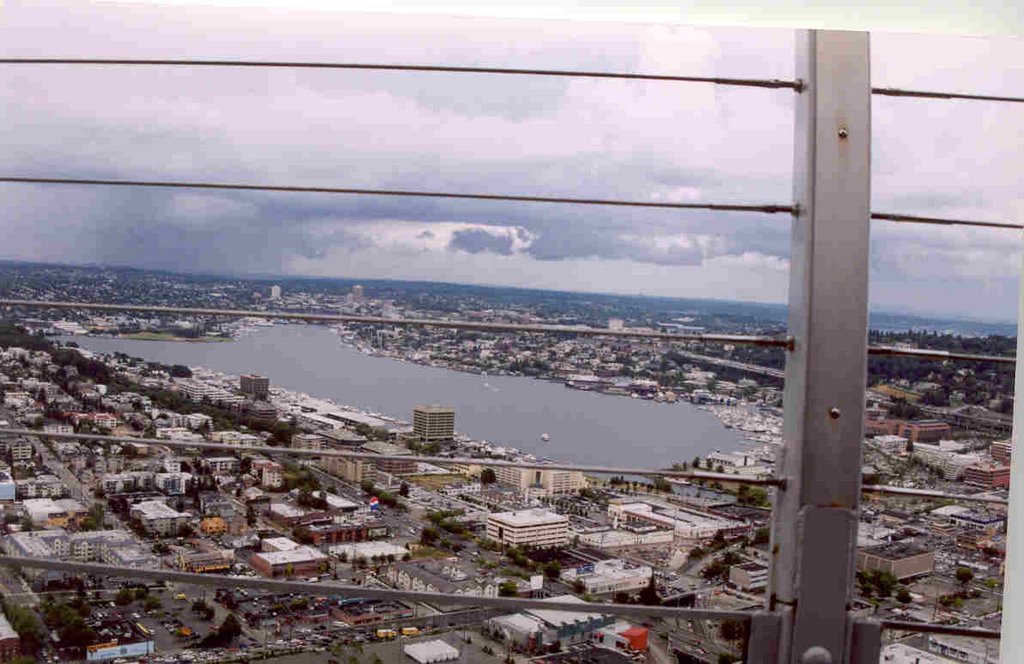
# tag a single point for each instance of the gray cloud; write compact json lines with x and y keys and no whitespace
{"x":530,"y":135}
{"x":478,"y":241}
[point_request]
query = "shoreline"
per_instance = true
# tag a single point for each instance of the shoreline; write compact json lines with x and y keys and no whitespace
{"x":755,"y":433}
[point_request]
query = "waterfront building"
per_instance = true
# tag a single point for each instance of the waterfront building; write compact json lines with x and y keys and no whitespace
{"x":254,"y":385}
{"x":433,"y":423}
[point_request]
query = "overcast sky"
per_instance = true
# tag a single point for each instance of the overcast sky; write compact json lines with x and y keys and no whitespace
{"x":490,"y":134}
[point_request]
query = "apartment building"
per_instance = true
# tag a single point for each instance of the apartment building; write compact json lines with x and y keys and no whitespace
{"x":159,"y":518}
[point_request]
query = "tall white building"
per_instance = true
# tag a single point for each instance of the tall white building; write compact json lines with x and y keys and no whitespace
{"x":536,"y":528}
{"x":275,"y":292}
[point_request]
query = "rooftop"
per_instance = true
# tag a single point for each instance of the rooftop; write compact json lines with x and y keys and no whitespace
{"x":531,"y":517}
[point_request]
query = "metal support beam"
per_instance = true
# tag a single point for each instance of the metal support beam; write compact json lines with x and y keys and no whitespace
{"x":1011,"y":648}
{"x":814,"y":530}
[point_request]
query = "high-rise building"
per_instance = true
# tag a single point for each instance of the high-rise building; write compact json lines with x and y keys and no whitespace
{"x":433,"y":423}
{"x":255,"y":385}
{"x":275,"y":292}
{"x":357,"y":293}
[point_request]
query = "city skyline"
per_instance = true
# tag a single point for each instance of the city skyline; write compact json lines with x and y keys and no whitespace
{"x":520,"y":135}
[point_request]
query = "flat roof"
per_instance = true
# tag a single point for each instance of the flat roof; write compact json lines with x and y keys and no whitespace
{"x":300,"y":554}
{"x":431,"y":651}
{"x":531,"y":517}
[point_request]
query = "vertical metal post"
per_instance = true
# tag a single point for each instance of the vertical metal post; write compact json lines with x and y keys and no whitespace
{"x":1011,"y":645}
{"x":814,"y":531}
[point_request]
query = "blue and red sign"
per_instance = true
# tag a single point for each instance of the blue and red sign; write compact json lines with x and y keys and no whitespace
{"x":374,"y":503}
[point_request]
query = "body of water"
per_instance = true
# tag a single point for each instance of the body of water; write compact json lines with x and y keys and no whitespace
{"x":584,"y":427}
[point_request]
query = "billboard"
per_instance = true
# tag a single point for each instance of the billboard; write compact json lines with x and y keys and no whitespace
{"x":104,"y":651}
{"x":537,"y":582}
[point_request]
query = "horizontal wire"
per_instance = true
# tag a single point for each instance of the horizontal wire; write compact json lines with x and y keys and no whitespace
{"x":927,"y":94}
{"x":716,"y":207}
{"x":927,"y":354}
{"x":370,"y":456}
{"x":776,"y":342}
{"x":764,"y":341}
{"x":935,"y":628}
{"x":321,"y":587}
{"x":570,"y":73}
{"x":943,"y":221}
{"x":927,"y":493}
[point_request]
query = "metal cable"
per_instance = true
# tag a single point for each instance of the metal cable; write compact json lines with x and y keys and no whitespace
{"x":942,"y":221}
{"x":935,"y":628}
{"x":775,"y":342}
{"x":321,"y":587}
{"x":751,"y":340}
{"x":926,"y":94}
{"x":741,"y":82}
{"x":927,"y":493}
{"x":168,"y":184}
{"x":370,"y":456}
{"x":927,"y":354}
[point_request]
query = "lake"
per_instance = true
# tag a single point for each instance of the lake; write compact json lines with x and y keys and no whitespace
{"x":584,"y":427}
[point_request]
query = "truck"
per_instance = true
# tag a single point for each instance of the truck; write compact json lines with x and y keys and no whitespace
{"x":410,"y":631}
{"x":386,"y":634}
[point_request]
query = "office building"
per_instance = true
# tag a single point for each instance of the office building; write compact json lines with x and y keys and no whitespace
{"x":903,"y":561}
{"x":924,"y":430}
{"x":350,"y":470}
{"x":300,"y":560}
{"x":609,"y":576}
{"x":1001,"y":451}
{"x":749,"y":576}
{"x":275,"y":292}
{"x":433,"y":423}
{"x":540,"y":481}
{"x":254,"y":385}
{"x":307,"y":441}
{"x":988,"y":475}
{"x":537,"y":528}
{"x":358,"y":294}
{"x":392,"y":466}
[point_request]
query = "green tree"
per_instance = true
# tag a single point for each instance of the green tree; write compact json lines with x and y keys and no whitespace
{"x":487,"y":476}
{"x":508,"y":589}
{"x":553,"y":569}
{"x":964,"y":575}
{"x":124,"y":597}
{"x":903,"y":596}
{"x":732,"y":630}
{"x":649,"y":595}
